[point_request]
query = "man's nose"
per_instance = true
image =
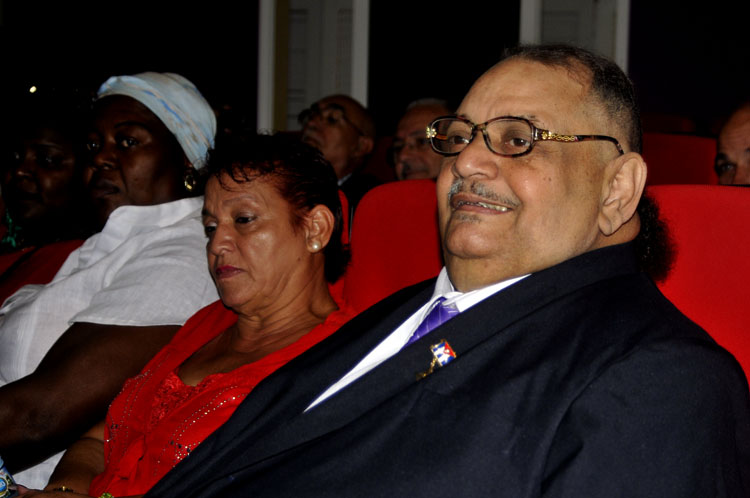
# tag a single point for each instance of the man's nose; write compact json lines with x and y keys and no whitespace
{"x":742,"y":175}
{"x":477,"y":160}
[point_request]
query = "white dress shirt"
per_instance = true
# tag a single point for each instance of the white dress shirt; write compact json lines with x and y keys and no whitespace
{"x":146,"y":267}
{"x":399,"y":337}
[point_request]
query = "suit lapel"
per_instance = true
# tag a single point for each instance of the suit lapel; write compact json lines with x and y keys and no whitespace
{"x":464,"y":333}
{"x":292,"y":392}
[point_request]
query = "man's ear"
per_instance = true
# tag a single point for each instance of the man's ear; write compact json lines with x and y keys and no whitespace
{"x":365,"y":145}
{"x":626,"y":179}
{"x":318,"y":227}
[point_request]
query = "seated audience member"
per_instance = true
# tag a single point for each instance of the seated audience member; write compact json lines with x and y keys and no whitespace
{"x":559,"y":368}
{"x":413,"y":157}
{"x":732,"y":163}
{"x":42,"y":189}
{"x":344,"y":132}
{"x":273,"y":220}
{"x":69,"y":345}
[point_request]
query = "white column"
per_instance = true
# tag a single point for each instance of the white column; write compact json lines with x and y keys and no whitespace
{"x":360,"y":49}
{"x":266,"y":50}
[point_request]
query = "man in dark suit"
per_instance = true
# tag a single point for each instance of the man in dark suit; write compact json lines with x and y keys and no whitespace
{"x":565,"y":371}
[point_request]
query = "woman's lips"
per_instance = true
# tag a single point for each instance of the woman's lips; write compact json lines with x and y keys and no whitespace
{"x":226,"y":271}
{"x":103,"y":188}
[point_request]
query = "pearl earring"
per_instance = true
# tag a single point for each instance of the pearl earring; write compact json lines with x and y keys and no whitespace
{"x":315,"y":246}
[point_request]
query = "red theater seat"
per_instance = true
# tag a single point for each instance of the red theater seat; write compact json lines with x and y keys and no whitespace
{"x":710,"y":226}
{"x":679,"y":159}
{"x":394,"y":242}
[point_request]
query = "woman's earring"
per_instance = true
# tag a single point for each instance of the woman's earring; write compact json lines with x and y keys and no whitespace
{"x":315,"y":246}
{"x":189,"y":180}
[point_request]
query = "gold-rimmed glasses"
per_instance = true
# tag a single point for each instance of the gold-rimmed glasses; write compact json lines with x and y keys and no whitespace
{"x":508,"y":136}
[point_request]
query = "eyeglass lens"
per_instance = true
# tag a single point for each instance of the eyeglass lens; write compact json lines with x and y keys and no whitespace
{"x":504,"y":136}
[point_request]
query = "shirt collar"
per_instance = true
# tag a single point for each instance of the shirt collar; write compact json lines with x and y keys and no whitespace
{"x":465,"y":300}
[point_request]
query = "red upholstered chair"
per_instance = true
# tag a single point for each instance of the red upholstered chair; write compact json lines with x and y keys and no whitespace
{"x":345,"y":220}
{"x":679,"y":159}
{"x":710,"y":226}
{"x":337,"y":288}
{"x":394,"y":241}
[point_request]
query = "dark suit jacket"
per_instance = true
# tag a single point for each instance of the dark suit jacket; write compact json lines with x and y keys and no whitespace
{"x":356,"y":186}
{"x":581,"y":380}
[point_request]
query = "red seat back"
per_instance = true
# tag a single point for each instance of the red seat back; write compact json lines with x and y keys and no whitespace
{"x":709,"y":282}
{"x":679,"y":159}
{"x":394,"y":242}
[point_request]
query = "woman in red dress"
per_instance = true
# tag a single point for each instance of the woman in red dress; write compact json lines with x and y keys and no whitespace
{"x":273,"y":222}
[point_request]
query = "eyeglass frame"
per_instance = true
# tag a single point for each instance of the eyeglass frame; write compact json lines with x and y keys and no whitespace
{"x":537,"y":135}
{"x":315,"y":110}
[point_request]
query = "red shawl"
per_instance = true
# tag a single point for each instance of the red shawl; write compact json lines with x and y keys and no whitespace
{"x":33,"y":265}
{"x":156,"y":420}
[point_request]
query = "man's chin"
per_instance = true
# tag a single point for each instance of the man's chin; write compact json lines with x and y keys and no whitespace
{"x":312,"y":141}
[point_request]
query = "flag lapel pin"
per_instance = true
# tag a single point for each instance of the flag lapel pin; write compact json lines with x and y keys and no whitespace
{"x":442,"y":354}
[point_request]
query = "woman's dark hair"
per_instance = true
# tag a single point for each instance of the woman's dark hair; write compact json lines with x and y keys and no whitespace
{"x":300,"y":173}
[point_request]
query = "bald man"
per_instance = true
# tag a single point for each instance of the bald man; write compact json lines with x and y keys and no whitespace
{"x":413,"y":157}
{"x":344,"y":132}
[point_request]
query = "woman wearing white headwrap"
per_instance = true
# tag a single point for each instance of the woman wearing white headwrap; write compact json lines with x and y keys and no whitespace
{"x":68,"y":346}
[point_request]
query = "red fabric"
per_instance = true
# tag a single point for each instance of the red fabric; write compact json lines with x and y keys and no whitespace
{"x":709,"y":280}
{"x":39,"y":268}
{"x":156,"y":420}
{"x":680,"y":159}
{"x":395,"y":241}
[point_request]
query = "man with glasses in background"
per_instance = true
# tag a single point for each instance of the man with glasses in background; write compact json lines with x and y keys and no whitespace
{"x":344,"y":132}
{"x":554,"y":366}
{"x":411,"y":152}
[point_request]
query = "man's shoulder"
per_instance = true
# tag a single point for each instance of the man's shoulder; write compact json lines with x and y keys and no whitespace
{"x":357,"y":185}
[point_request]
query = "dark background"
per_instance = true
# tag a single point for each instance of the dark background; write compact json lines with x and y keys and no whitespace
{"x":687,"y":60}
{"x":82,"y":43}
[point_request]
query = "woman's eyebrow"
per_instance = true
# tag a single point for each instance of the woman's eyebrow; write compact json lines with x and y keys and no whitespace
{"x":139,"y":124}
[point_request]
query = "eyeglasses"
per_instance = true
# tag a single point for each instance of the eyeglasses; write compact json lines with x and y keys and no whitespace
{"x":331,"y":114}
{"x":507,"y":136}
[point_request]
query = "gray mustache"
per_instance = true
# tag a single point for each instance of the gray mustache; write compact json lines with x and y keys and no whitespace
{"x":480,"y":190}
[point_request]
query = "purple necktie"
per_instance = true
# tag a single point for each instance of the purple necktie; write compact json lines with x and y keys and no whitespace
{"x":439,"y":314}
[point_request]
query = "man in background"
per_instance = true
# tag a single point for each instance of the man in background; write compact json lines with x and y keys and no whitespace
{"x":732,"y":164}
{"x":344,"y":132}
{"x":413,"y":156}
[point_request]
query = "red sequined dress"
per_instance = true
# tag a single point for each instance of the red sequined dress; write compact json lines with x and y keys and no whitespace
{"x":157,"y":420}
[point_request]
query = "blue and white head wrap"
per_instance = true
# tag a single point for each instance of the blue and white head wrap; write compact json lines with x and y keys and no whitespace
{"x":177,"y":103}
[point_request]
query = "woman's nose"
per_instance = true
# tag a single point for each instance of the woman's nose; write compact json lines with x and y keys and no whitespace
{"x":23,"y":165}
{"x":103,"y":158}
{"x":221,"y":240}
